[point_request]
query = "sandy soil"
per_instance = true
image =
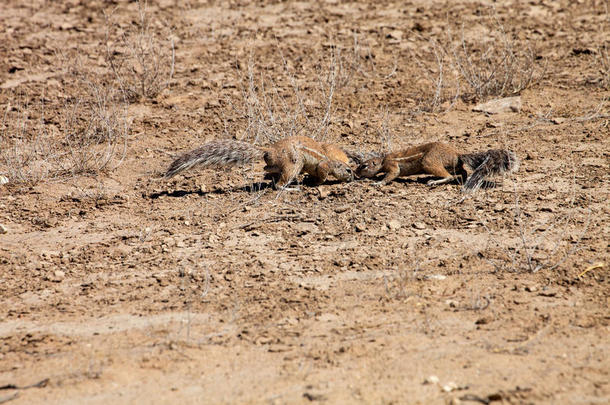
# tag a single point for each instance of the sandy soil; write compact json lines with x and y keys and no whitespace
{"x":212,"y":287}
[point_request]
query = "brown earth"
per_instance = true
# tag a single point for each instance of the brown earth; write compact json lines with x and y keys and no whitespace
{"x":118,"y":287}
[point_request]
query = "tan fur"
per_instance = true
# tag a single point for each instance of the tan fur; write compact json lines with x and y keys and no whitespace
{"x":285,"y":159}
{"x":441,"y":160}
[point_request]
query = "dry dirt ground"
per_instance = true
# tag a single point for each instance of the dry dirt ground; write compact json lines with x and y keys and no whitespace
{"x":211,"y":287}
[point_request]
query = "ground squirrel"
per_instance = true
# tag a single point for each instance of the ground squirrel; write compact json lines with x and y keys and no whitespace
{"x":442,"y":160}
{"x":285,"y":159}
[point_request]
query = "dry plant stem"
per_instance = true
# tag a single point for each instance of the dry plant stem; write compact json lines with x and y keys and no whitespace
{"x":528,"y":245}
{"x":271,"y":114}
{"x":499,"y":70}
{"x":142,"y":71}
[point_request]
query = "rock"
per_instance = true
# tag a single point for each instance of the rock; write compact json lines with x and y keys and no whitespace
{"x":549,"y":292}
{"x":500,"y":105}
{"x":360,"y":227}
{"x":58,"y":276}
{"x":531,"y":288}
{"x":3,"y":229}
{"x":435,"y":277}
{"x":394,"y":225}
{"x":323,"y":192}
{"x":450,"y":386}
{"x":342,"y":208}
{"x":431,"y":380}
{"x":452,"y":303}
{"x":3,"y":180}
{"x":419,"y":225}
{"x":483,"y":320}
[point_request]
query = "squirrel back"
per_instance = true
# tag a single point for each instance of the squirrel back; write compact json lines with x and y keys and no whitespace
{"x":285,"y":159}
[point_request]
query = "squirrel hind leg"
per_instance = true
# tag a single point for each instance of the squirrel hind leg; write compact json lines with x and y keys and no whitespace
{"x":444,"y":180}
{"x":438,"y":170}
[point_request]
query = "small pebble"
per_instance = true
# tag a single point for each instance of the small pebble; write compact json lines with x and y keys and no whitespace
{"x":3,"y":180}
{"x":431,"y":380}
{"x":419,"y":225}
{"x":323,"y":193}
{"x":394,"y":225}
{"x":452,"y":303}
{"x":435,"y":277}
{"x":450,"y":386}
{"x":3,"y":229}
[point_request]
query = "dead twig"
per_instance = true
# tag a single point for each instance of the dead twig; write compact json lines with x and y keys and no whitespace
{"x":40,"y":384}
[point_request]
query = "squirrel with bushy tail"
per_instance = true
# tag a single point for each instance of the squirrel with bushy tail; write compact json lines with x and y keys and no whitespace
{"x":285,"y":159}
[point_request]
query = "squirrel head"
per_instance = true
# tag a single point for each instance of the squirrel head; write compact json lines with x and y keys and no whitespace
{"x":369,"y":168}
{"x":342,"y":171}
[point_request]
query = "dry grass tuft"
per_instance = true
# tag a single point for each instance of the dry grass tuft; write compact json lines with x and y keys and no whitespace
{"x":536,"y":242}
{"x":489,"y":66}
{"x":86,"y":133}
{"x":142,"y":64}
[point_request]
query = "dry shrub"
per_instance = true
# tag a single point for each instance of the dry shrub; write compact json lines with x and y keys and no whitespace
{"x":85,"y":133}
{"x":475,"y":70}
{"x":283,"y":97}
{"x":27,"y":154}
{"x":603,"y":61}
{"x":536,"y":241}
{"x":141,"y":62}
{"x":275,"y":106}
{"x":95,"y":128}
{"x":498,"y":69}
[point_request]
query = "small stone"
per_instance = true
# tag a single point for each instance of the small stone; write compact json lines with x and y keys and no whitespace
{"x":3,"y":229}
{"x":58,"y":276}
{"x":531,"y":288}
{"x":431,"y":380}
{"x":394,"y":225}
{"x":500,"y":105}
{"x":484,"y":320}
{"x":360,"y":227}
{"x":452,"y":303}
{"x":187,"y":223}
{"x":3,"y":180}
{"x":548,"y":292}
{"x":419,"y":225}
{"x":435,"y":277}
{"x":323,"y":192}
{"x":342,"y":208}
{"x":450,"y":386}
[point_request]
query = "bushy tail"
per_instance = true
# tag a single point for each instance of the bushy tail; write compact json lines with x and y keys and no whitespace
{"x":216,"y":153}
{"x":491,"y":162}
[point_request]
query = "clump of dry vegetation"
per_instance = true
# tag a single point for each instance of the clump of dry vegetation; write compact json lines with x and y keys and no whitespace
{"x":281,"y":97}
{"x":270,"y":112}
{"x":85,"y":133}
{"x":476,"y":69}
{"x":603,"y":58}
{"x":536,"y":240}
{"x":27,"y":154}
{"x":141,"y":62}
